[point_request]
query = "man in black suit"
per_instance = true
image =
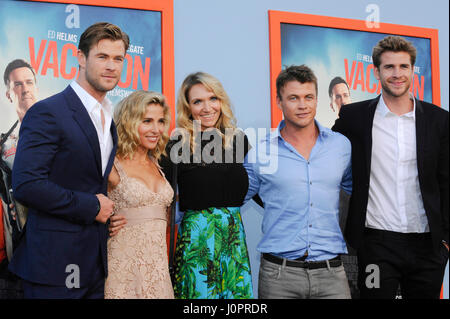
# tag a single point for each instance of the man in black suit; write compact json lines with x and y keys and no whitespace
{"x":398,"y":218}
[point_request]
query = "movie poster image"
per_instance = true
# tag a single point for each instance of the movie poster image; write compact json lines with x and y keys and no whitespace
{"x":347,"y":54}
{"x":46,"y":35}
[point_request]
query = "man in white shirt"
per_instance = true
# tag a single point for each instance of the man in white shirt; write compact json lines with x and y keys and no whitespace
{"x":64,"y":156}
{"x":399,"y":215}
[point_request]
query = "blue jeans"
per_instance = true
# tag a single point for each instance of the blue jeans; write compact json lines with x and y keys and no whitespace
{"x":287,"y":282}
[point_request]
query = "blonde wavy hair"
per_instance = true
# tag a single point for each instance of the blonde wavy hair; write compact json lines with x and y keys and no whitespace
{"x":184,"y":115}
{"x":129,"y":114}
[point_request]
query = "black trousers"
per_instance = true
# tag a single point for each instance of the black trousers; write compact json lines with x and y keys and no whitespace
{"x":10,"y":284}
{"x":388,"y":259}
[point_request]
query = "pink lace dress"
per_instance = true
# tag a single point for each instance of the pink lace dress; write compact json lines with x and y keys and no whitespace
{"x":137,"y":255}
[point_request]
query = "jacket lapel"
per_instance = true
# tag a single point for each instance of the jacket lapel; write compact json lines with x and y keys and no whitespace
{"x":83,"y":120}
{"x":421,"y":136}
{"x":368,"y":132}
{"x":114,"y":149}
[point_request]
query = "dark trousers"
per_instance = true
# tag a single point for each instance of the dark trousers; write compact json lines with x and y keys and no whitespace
{"x":95,"y":290}
{"x":10,"y":285}
{"x":389,"y":259}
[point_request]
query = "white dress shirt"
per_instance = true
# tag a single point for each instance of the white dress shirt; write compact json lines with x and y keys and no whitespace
{"x":395,"y":201}
{"x":93,"y":107}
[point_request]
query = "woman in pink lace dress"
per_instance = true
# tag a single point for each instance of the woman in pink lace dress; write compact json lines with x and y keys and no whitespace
{"x":137,"y":251}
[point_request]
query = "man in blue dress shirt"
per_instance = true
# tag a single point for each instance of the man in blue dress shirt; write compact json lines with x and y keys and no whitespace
{"x":302,"y":239}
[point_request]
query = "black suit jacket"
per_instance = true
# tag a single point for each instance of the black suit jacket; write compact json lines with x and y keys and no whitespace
{"x":355,"y":122}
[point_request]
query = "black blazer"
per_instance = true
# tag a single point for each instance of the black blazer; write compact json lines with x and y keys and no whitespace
{"x":355,"y":122}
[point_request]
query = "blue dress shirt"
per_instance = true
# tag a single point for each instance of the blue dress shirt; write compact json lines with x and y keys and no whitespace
{"x":301,"y":197}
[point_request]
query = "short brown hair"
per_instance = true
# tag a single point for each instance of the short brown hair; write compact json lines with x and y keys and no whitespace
{"x":100,"y":31}
{"x":394,"y":44}
{"x":300,"y":73}
{"x":337,"y":80}
{"x":16,"y":64}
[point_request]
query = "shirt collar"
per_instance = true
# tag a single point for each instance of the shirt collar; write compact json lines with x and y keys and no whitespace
{"x":323,"y":131}
{"x":383,"y":110}
{"x":88,"y":100}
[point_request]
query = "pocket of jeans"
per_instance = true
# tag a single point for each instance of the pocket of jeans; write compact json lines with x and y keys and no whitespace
{"x":269,"y":270}
{"x":340,"y":272}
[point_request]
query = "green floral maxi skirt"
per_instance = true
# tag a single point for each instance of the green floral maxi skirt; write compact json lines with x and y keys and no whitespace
{"x":211,"y":258}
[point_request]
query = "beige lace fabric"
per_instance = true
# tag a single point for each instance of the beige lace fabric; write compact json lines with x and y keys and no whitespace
{"x":137,"y":255}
